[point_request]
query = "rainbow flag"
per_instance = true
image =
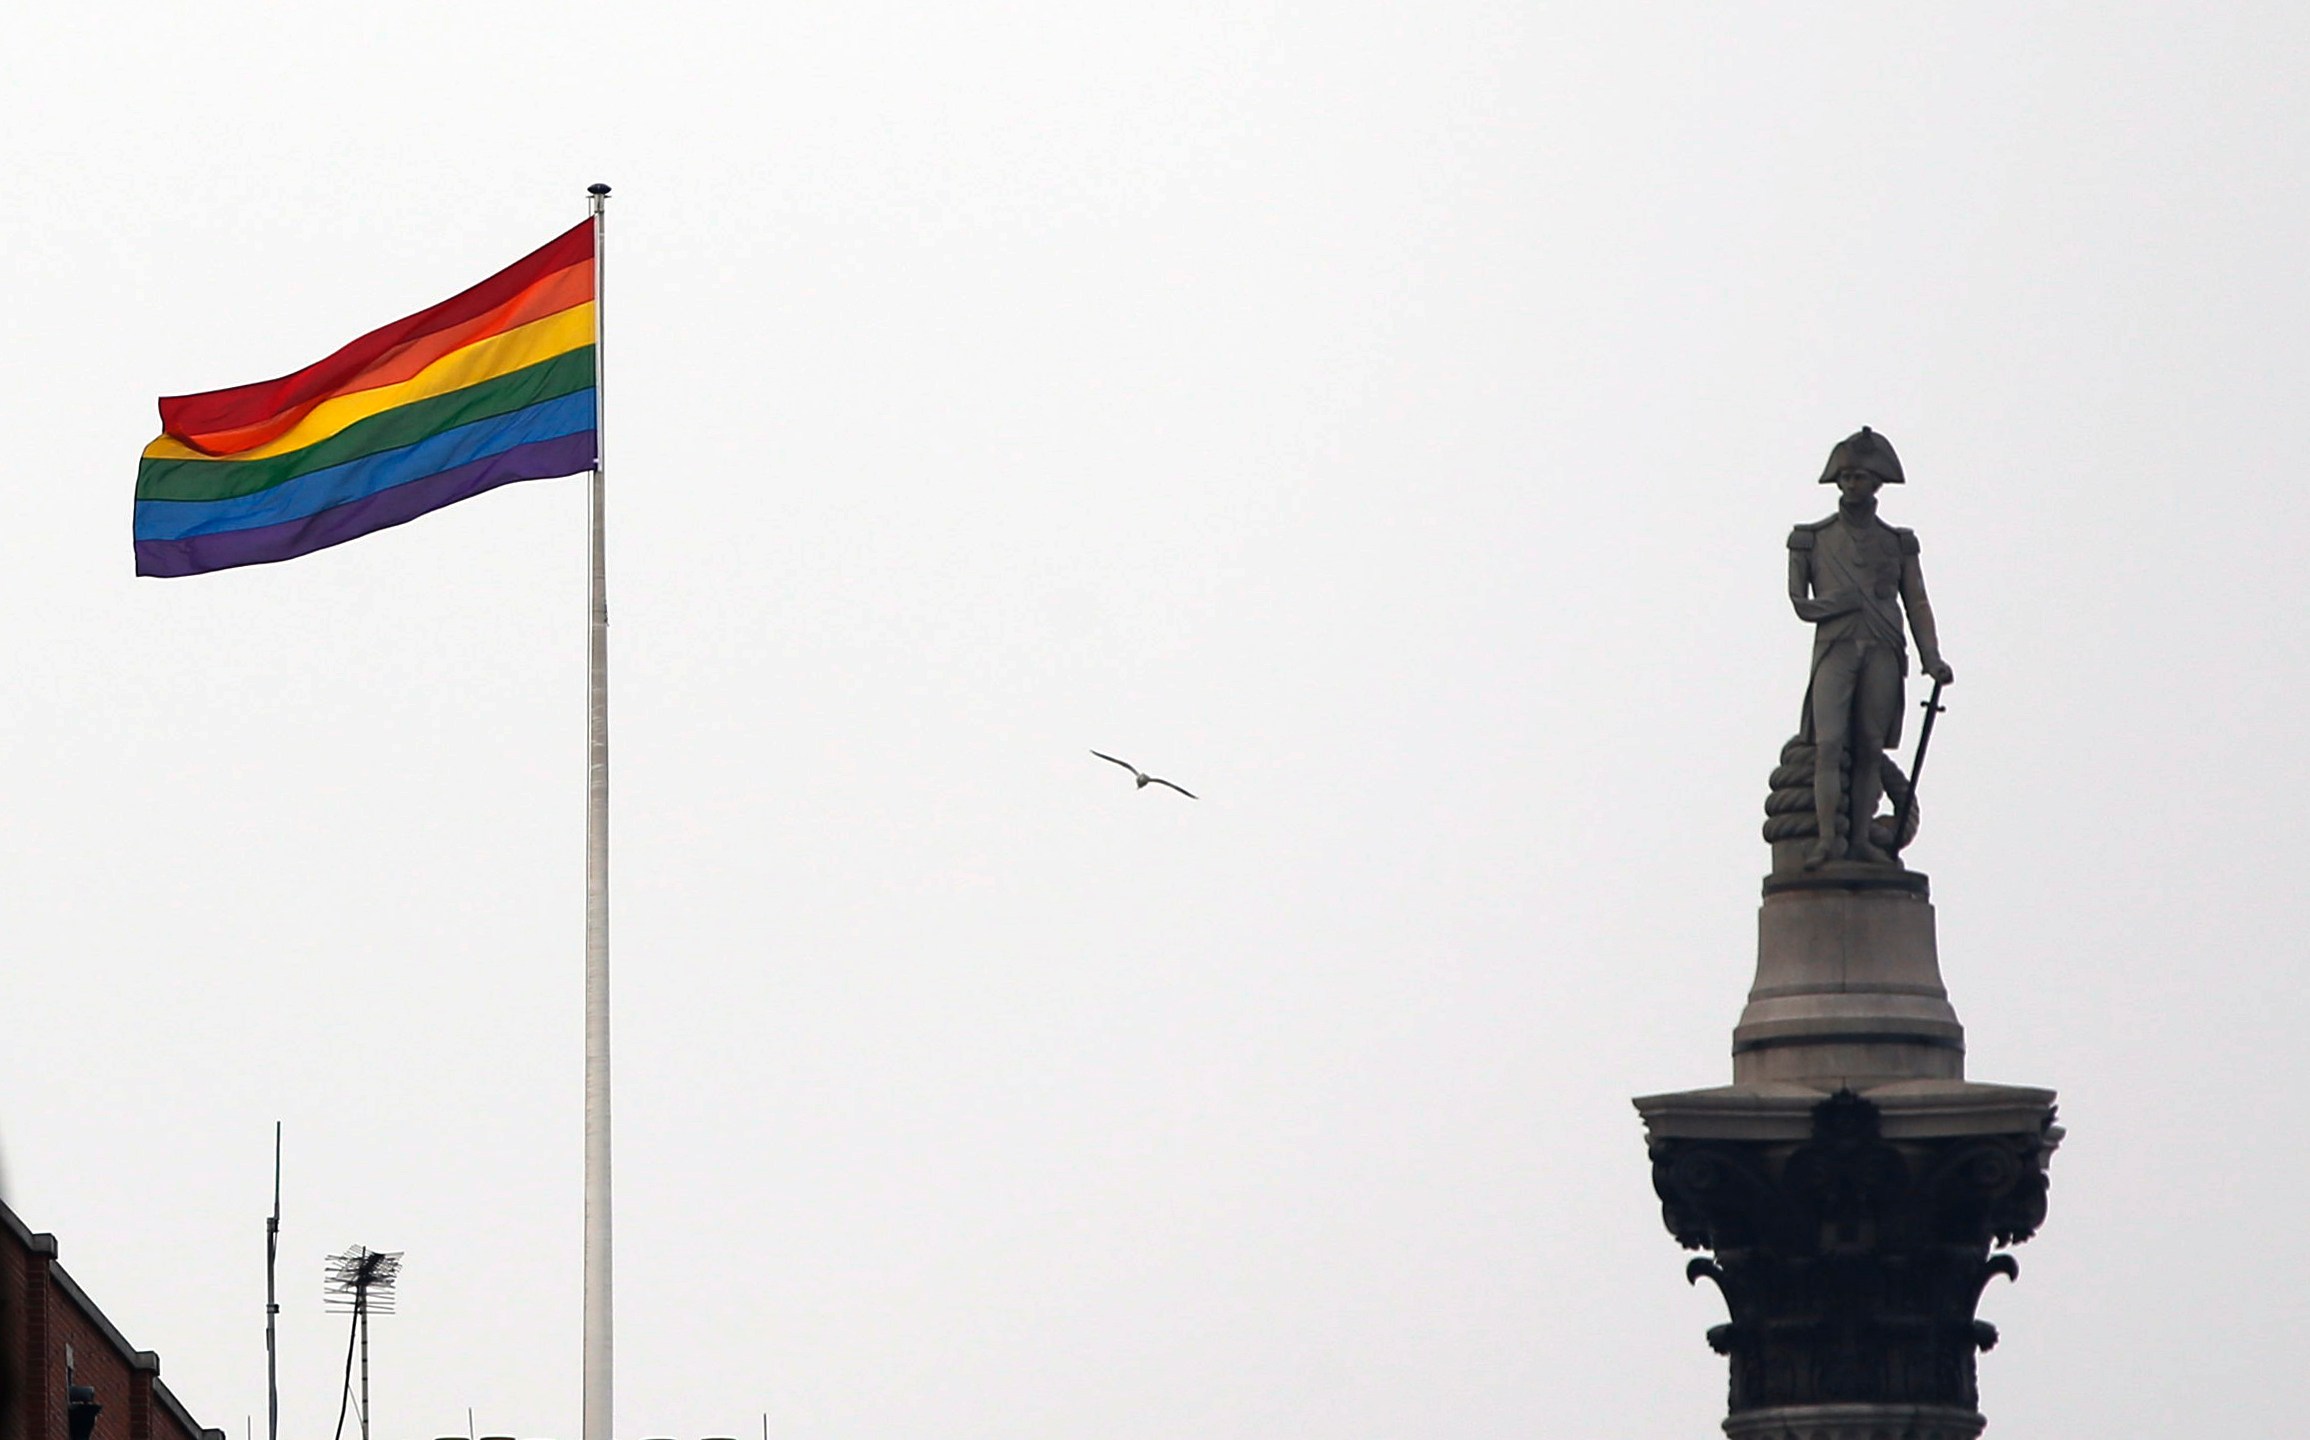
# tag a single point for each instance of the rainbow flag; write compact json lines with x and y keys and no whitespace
{"x":491,"y":386}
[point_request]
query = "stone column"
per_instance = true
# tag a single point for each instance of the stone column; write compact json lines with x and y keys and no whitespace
{"x":1854,"y":1192}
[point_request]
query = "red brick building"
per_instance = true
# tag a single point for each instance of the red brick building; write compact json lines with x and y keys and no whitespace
{"x":42,"y":1312}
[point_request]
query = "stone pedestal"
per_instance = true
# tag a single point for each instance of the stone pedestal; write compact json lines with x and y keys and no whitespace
{"x":1848,"y":988}
{"x":1855,"y":1191}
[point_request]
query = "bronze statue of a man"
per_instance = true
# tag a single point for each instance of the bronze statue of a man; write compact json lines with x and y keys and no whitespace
{"x":1852,"y":575}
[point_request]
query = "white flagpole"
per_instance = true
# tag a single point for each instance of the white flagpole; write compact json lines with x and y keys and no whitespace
{"x":596,"y":1418}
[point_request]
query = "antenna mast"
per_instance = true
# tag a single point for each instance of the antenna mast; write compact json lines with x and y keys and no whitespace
{"x":272,"y":1299}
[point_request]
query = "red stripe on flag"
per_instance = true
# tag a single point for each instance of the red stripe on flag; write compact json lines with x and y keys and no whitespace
{"x":253,"y":414}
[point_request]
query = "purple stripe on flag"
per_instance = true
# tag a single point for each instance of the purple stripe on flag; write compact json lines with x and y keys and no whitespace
{"x":540,"y":460}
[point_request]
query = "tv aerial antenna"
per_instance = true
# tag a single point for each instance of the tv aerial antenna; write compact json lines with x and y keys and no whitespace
{"x":359,"y":1282}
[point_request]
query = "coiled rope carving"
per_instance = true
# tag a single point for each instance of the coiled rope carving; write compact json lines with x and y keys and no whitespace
{"x":1789,"y":809}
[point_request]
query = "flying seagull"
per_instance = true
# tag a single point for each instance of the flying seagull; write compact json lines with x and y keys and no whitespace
{"x":1142,"y":776}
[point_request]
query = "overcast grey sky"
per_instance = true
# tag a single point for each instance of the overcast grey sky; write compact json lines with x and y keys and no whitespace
{"x":1384,"y":420}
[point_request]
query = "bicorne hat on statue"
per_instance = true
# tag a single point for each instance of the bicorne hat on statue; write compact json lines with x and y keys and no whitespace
{"x":1864,"y":450}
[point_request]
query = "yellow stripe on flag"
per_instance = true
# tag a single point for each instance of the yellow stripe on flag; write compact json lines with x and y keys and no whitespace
{"x":482,"y":360}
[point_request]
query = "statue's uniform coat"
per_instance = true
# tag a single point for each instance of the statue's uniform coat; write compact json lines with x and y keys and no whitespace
{"x":1837,"y":558}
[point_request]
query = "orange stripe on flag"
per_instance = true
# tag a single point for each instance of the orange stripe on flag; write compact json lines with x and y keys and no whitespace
{"x":562,"y":290}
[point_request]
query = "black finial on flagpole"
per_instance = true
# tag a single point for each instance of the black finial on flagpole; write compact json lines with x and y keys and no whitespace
{"x":597,"y":188}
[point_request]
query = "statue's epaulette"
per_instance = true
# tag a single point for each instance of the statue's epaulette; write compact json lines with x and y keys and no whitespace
{"x":1908,"y":539}
{"x":1801,"y":538}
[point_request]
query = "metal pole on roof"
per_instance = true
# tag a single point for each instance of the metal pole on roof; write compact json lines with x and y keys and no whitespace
{"x":272,"y":1300}
{"x":361,"y":1321}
